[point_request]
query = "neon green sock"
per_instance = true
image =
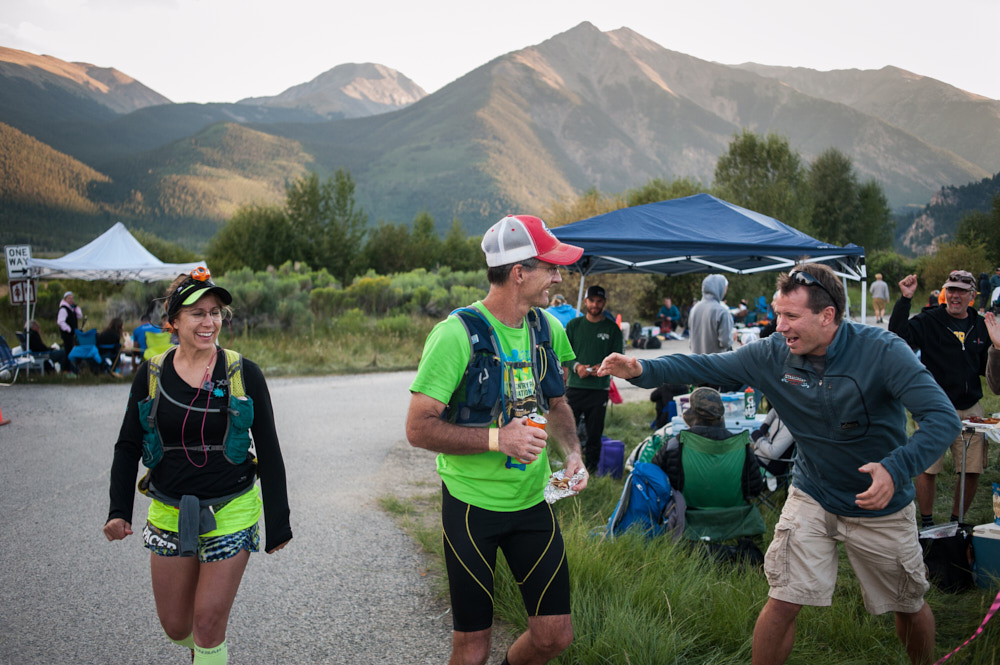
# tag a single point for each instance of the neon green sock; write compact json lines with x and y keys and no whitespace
{"x":186,"y":642}
{"x":212,"y":655}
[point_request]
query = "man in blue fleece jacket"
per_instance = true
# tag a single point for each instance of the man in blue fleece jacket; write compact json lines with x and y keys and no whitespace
{"x":843,"y":390}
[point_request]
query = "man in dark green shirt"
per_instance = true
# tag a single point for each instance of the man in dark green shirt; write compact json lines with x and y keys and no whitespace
{"x":593,"y":337}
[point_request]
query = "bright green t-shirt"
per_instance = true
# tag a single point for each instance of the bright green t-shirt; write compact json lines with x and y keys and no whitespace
{"x":489,"y":480}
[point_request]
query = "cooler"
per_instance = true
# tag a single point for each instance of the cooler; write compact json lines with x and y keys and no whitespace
{"x":986,"y":545}
{"x":732,"y":402}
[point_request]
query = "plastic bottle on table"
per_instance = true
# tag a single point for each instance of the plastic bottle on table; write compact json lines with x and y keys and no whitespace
{"x":749,"y":404}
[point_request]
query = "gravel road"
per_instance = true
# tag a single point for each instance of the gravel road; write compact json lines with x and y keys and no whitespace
{"x":350,"y":588}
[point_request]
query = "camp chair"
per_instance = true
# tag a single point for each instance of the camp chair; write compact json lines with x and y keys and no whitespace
{"x":9,"y":365}
{"x":777,"y":479}
{"x":86,"y":347}
{"x":156,"y":343}
{"x":713,"y":472}
{"x":110,"y":355}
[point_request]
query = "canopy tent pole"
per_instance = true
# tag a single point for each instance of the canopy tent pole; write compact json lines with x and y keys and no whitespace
{"x":863,"y":268}
{"x":579,"y":295}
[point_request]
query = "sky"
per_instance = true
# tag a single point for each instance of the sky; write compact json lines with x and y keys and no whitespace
{"x":226,"y":50}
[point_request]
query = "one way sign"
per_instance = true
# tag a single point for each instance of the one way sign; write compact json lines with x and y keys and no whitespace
{"x":17,"y":260}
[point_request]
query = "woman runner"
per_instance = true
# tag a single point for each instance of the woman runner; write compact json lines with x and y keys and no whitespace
{"x":189,"y":424}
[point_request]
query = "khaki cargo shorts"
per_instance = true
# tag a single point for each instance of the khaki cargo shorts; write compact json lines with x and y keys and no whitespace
{"x":975,"y":460}
{"x":801,"y":563}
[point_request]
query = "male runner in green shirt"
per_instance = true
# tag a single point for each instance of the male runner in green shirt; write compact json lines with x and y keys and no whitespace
{"x":494,"y":473}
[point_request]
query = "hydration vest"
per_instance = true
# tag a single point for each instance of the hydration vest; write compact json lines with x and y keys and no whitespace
{"x":485,"y":398}
{"x":235,"y":444}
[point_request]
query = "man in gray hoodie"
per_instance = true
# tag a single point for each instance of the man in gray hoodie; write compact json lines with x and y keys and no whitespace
{"x":711,"y":324}
{"x":710,"y":321}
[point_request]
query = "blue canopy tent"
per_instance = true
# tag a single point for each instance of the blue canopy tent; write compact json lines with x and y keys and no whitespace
{"x":700,"y":233}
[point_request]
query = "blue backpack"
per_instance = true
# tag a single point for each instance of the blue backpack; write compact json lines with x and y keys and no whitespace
{"x":648,"y":505}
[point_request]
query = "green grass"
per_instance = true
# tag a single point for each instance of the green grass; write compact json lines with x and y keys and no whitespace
{"x":639,"y":601}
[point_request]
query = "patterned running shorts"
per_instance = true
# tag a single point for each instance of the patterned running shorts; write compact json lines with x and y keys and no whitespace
{"x":213,"y":548}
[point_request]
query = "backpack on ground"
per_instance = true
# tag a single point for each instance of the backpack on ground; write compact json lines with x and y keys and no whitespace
{"x":635,"y":333}
{"x":648,"y":505}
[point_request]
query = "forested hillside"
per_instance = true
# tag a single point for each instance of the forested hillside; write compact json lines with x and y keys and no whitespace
{"x":923,"y":231}
{"x":45,"y":195}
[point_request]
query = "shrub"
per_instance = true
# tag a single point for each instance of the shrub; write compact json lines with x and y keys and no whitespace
{"x":398,"y":324}
{"x":372,"y":293}
{"x":352,"y":322}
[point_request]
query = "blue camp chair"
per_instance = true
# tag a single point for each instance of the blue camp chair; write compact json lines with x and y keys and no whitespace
{"x":86,"y":347}
{"x":9,"y":366}
{"x":110,"y":355}
{"x":760,"y":313}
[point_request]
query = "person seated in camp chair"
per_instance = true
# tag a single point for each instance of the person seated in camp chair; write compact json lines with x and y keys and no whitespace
{"x":34,"y":344}
{"x":139,"y":334}
{"x":109,"y":344}
{"x":668,"y":317}
{"x":717,"y":474}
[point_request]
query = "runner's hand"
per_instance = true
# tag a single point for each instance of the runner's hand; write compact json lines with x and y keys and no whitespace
{"x":117,"y":529}
{"x":276,"y":548}
{"x":574,"y":464}
{"x":522,"y":441}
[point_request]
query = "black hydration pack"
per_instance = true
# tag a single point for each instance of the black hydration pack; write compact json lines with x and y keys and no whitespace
{"x":482,"y":397}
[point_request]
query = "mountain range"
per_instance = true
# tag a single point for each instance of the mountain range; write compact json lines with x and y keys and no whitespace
{"x":583,"y":109}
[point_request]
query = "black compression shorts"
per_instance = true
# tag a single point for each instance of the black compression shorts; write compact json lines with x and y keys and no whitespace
{"x":532,"y":545}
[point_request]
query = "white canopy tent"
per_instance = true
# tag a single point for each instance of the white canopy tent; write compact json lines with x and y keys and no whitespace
{"x":114,"y":256}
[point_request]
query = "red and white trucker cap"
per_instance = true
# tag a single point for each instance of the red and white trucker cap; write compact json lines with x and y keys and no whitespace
{"x":519,"y":237}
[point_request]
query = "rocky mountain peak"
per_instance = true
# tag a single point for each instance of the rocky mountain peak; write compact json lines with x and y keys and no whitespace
{"x":350,"y":90}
